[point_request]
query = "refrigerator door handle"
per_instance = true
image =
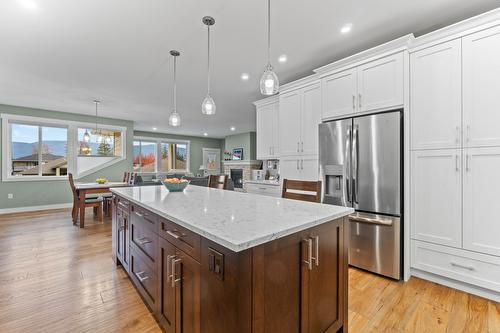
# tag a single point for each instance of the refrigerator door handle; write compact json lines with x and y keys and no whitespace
{"x":355,"y":166}
{"x":347,"y":171}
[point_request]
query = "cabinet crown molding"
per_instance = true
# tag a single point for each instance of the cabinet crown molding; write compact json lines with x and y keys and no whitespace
{"x":300,"y":83}
{"x":266,"y":101}
{"x":380,"y":51}
{"x":457,"y":30}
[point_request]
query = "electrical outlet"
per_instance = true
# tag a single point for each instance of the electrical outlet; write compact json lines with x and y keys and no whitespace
{"x":10,"y":196}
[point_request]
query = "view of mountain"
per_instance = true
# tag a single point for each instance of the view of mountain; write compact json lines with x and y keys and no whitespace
{"x":20,"y":149}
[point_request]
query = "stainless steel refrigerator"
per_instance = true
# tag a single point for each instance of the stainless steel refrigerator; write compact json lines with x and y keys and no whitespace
{"x":361,"y":167}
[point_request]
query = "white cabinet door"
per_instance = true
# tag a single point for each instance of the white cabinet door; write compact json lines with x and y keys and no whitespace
{"x":290,"y":167}
{"x":309,"y":168}
{"x":289,"y":120}
{"x":481,"y":82}
{"x":436,"y":96}
{"x":338,"y":94}
{"x":264,"y":132}
{"x":275,"y":149}
{"x":481,"y":200}
{"x":436,"y":196}
{"x":311,"y":117}
{"x":381,"y":83}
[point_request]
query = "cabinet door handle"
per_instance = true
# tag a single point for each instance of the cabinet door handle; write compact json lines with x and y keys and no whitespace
{"x":297,"y":164}
{"x":175,"y":234}
{"x":316,"y":250}
{"x":468,"y":133}
{"x":353,"y":102}
{"x":140,"y":277}
{"x":302,"y":143}
{"x":359,"y":100}
{"x":456,"y":163}
{"x":169,"y":273}
{"x":309,"y":260}
{"x":174,"y":279}
{"x":302,"y":164}
{"x":467,"y":166}
{"x":470,"y":268}
{"x":298,"y":144}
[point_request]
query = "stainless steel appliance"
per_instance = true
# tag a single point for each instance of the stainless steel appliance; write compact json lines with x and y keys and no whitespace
{"x":361,"y":167}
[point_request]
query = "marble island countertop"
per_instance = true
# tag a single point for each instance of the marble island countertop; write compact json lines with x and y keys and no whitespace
{"x":235,"y":220}
{"x":263,"y":182}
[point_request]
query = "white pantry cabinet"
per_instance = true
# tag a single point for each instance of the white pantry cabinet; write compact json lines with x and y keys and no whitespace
{"x":436,"y":196}
{"x":376,"y":85}
{"x":481,"y":199}
{"x":299,"y":168}
{"x":436,"y":96}
{"x":267,"y":131}
{"x":299,"y":115}
{"x":481,"y":87}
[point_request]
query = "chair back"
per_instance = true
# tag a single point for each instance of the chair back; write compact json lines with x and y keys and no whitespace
{"x":126,"y":175}
{"x":132,"y":178}
{"x":303,"y":186}
{"x":218,"y":181}
{"x":72,"y":184}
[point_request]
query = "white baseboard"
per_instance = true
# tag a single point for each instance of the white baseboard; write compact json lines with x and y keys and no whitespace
{"x":34,"y":208}
{"x":468,"y":288}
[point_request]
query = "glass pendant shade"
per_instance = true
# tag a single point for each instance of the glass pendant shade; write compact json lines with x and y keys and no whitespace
{"x":109,"y":140}
{"x":269,"y":83}
{"x":86,"y":136}
{"x":99,"y":138}
{"x":174,"y":119}
{"x":208,"y":106}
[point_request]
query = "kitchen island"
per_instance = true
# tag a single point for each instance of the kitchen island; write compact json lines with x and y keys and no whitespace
{"x":211,"y":261}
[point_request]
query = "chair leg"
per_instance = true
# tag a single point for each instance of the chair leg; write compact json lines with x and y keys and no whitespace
{"x":99,"y":212}
{"x":95,"y":211}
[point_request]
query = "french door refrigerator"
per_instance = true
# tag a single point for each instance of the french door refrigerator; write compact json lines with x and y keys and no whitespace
{"x":361,"y":167}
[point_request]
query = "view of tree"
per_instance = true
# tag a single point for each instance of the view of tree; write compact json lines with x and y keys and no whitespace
{"x":104,"y":149}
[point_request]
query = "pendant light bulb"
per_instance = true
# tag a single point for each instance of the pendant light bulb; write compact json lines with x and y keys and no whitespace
{"x":109,"y":140}
{"x":208,"y":106}
{"x":86,"y":136}
{"x":175,"y":118}
{"x":99,"y":138}
{"x":269,"y":83}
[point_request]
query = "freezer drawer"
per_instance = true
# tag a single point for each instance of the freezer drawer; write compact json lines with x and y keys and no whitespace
{"x":375,"y":243}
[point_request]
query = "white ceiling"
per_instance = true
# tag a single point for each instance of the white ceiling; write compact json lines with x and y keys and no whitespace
{"x":64,"y":54}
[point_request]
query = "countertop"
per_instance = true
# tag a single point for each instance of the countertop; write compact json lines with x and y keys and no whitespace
{"x":263,"y":182}
{"x":235,"y":220}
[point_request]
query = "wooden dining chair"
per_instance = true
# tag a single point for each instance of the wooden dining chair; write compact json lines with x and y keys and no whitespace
{"x":314,"y":189}
{"x":126,"y":176}
{"x":218,"y":181}
{"x":94,"y":202}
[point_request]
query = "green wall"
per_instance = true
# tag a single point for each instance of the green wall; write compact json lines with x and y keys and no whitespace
{"x":38,"y":193}
{"x":195,"y":146}
{"x":247,"y":141}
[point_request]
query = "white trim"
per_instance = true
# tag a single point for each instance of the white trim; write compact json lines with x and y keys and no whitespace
{"x":267,"y":101}
{"x":300,"y":83}
{"x":157,"y":141}
{"x":468,"y":288}
{"x":34,"y":208}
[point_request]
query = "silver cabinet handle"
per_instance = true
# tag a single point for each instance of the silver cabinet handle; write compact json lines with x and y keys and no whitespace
{"x":143,"y":240}
{"x":468,"y":133}
{"x":175,"y":234}
{"x":297,"y":164}
{"x":302,"y":164}
{"x":174,"y":279}
{"x":309,"y":260}
{"x":456,"y":162}
{"x":140,"y":277}
{"x":467,"y":166}
{"x":359,"y":100}
{"x":138,"y":214}
{"x":470,"y":268}
{"x":169,"y":274}
{"x":353,"y":102}
{"x":302,"y":143}
{"x":316,"y":250}
{"x":263,"y":188}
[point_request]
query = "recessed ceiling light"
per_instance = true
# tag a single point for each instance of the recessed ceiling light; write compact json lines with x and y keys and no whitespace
{"x":154,"y":128}
{"x":28,"y":4}
{"x":346,"y":28}
{"x":233,"y":128}
{"x":282,"y":58}
{"x":205,"y":134}
{"x":245,"y":76}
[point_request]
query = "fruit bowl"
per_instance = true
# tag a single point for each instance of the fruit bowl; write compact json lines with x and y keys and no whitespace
{"x":101,"y":181}
{"x":175,"y":184}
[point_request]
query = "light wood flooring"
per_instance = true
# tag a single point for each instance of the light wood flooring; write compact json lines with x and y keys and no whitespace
{"x":55,"y":277}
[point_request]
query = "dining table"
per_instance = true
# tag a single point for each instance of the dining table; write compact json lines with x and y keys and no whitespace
{"x":82,"y":189}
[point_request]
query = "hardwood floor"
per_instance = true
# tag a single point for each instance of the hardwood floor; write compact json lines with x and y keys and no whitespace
{"x":55,"y":277}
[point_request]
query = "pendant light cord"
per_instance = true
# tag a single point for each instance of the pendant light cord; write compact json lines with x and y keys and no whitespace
{"x":175,"y":84}
{"x":96,"y":117}
{"x":269,"y":31}
{"x":208,"y":61}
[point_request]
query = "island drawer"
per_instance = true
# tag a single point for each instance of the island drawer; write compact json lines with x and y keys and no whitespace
{"x":122,"y":204}
{"x":182,"y":238}
{"x":144,"y":239}
{"x":144,"y":277}
{"x":141,"y":216}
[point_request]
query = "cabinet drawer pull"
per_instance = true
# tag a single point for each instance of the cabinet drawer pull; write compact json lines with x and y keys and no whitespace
{"x":143,"y":241}
{"x":174,"y":279}
{"x":140,"y":277}
{"x":316,"y":250}
{"x":359,"y":97}
{"x":138,"y":214}
{"x":175,"y":234}
{"x":470,"y":268}
{"x":262,"y":188}
{"x":169,"y":273}
{"x":309,"y":260}
{"x":121,"y":204}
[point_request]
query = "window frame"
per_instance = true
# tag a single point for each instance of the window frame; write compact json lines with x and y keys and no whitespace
{"x":158,"y":142}
{"x":72,"y":146}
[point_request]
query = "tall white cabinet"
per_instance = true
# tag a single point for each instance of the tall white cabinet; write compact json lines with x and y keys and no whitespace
{"x":455,"y":164}
{"x":267,"y":121}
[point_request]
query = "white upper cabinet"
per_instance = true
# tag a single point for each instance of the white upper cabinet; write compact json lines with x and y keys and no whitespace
{"x":339,"y":94}
{"x":481,"y":197}
{"x":376,"y":85}
{"x":481,"y":88}
{"x":299,"y":168}
{"x":299,"y":115}
{"x":436,"y":196}
{"x":380,"y":83}
{"x":436,"y":96}
{"x":267,"y":131}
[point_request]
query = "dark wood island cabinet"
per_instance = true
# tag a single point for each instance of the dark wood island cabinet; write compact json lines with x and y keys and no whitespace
{"x":296,"y":283}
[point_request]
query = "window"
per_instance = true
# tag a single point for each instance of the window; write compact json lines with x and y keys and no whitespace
{"x":153,"y":155}
{"x":38,"y":150}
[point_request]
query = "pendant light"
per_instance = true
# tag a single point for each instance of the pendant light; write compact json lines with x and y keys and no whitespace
{"x":208,"y":105}
{"x":175,"y":118}
{"x":97,"y":131}
{"x":269,"y":83}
